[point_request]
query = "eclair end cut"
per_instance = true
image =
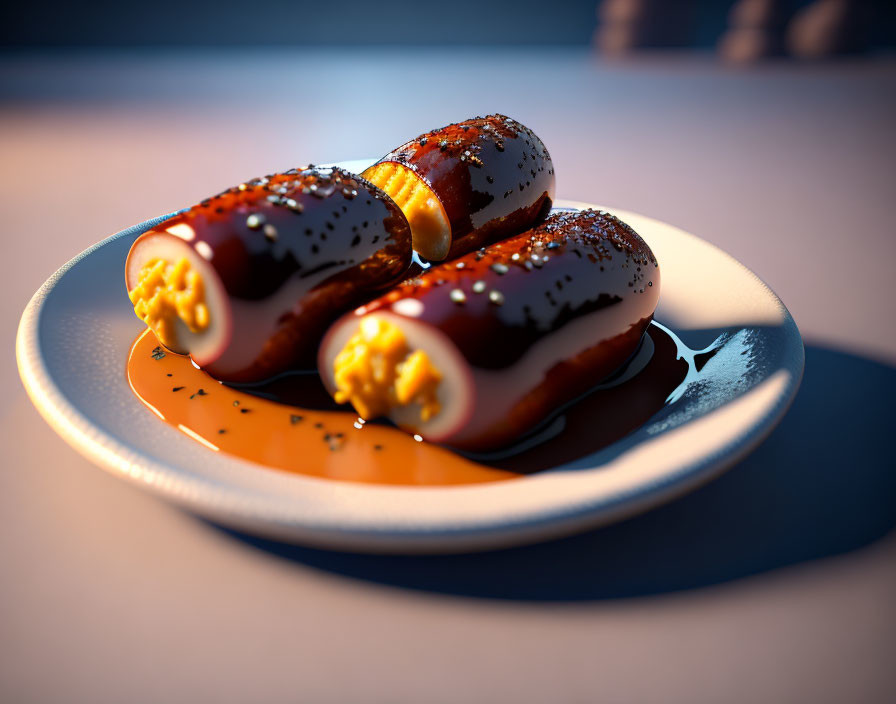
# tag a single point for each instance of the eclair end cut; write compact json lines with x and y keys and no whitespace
{"x":166,"y":292}
{"x":377,"y":371}
{"x":430,"y":228}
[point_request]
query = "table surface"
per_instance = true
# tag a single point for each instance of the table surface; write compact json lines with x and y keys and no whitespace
{"x":773,"y":583}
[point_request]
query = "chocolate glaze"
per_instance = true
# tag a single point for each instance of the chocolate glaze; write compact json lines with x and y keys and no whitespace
{"x":331,"y":236}
{"x":539,"y":317}
{"x":493,"y":176}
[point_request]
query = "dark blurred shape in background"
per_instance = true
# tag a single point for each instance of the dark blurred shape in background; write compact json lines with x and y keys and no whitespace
{"x":743,"y":29}
{"x":830,"y":27}
{"x":755,"y":30}
{"x":626,"y":25}
{"x":747,"y":30}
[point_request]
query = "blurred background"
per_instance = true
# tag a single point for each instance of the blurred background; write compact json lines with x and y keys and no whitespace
{"x":816,"y":27}
{"x":765,"y":127}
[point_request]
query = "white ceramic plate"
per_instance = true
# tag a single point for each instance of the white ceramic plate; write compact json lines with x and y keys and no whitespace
{"x":75,"y":334}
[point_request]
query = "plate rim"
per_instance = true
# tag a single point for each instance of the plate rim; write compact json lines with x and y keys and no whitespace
{"x":200,"y":495}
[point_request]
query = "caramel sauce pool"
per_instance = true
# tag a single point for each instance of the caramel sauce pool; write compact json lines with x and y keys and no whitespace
{"x":288,"y":435}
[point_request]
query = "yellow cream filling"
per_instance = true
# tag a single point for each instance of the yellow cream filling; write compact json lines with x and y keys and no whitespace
{"x":430,"y":229}
{"x":166,"y":292}
{"x":377,"y":371}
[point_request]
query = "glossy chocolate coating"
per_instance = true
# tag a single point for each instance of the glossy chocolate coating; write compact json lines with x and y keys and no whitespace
{"x":493,"y":176}
{"x":540,"y":317}
{"x":300,"y":247}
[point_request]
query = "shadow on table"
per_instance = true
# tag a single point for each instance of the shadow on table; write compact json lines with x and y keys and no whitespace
{"x":823,"y":483}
